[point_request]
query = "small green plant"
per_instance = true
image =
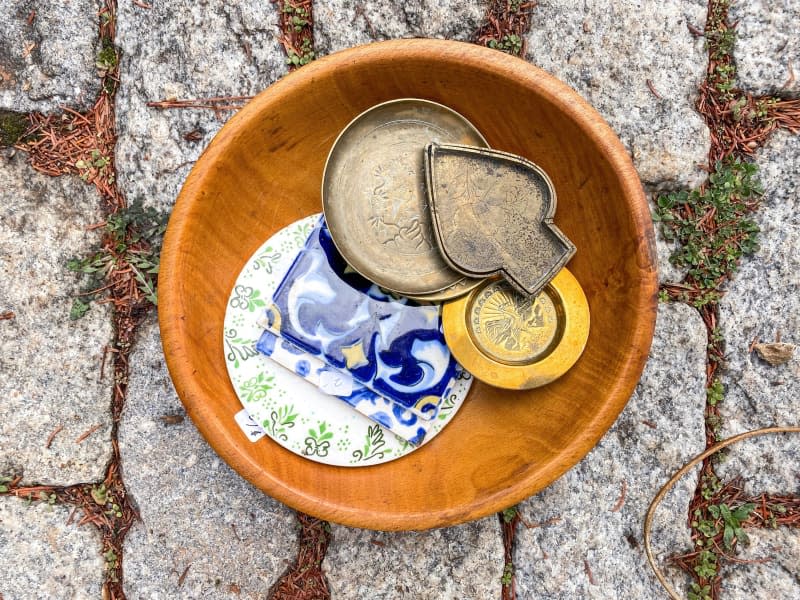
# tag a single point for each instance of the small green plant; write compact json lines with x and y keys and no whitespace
{"x":114,"y":510}
{"x":4,"y":484}
{"x":49,"y":498}
{"x":107,"y":57}
{"x":508,"y":573}
{"x":509,"y":514}
{"x":112,"y":560}
{"x":708,"y":528}
{"x":131,"y":244}
{"x":706,"y":564}
{"x":306,"y":55}
{"x":100,"y":494}
{"x":710,"y":486}
{"x":510,"y":44}
{"x":732,"y":520}
{"x":763,"y":107}
{"x":663,"y":296}
{"x":722,"y":40}
{"x":715,"y":393}
{"x":299,"y":16}
{"x":96,"y":165}
{"x":712,"y":227}
{"x":79,"y":309}
{"x":699,"y":593}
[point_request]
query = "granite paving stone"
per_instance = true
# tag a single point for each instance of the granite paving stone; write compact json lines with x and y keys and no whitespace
{"x":763,"y":301}
{"x":181,"y":50}
{"x":774,"y":573}
{"x":340,"y":24}
{"x":49,"y":365}
{"x":609,"y":51}
{"x":767,"y":45}
{"x":768,"y":464}
{"x":196,"y":513}
{"x":595,"y":549}
{"x":48,"y":50}
{"x":41,"y":556}
{"x":464,"y":562}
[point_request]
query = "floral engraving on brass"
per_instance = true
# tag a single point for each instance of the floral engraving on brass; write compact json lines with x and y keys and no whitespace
{"x":394,"y":215}
{"x":374,"y":197}
{"x":493,"y":214}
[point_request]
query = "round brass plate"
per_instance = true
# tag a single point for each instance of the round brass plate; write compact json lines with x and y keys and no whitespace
{"x":374,"y":195}
{"x":517,"y":342}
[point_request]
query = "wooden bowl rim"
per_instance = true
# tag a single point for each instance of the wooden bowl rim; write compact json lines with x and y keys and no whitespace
{"x":219,"y":433}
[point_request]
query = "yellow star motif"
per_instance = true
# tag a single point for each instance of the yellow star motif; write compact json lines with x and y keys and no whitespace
{"x":354,"y":356}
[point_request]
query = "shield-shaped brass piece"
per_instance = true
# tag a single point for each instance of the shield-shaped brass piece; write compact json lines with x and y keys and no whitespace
{"x":493,"y":213}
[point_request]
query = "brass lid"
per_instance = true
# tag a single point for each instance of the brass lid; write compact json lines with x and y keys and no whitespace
{"x":513,"y":341}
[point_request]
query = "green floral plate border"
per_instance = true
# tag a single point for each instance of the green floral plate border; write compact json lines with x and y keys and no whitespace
{"x":292,"y":411}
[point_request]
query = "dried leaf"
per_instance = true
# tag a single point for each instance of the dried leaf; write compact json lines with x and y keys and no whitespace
{"x":775,"y":353}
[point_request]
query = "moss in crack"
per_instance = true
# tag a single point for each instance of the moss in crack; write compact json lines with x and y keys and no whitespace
{"x":13,"y":126}
{"x":107,"y":57}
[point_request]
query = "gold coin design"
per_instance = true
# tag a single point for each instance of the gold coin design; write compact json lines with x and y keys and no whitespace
{"x":513,"y":328}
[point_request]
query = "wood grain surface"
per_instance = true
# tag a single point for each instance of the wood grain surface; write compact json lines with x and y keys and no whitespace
{"x":263,"y":171}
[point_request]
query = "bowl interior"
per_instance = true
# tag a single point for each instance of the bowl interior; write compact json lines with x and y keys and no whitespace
{"x":264,"y":171}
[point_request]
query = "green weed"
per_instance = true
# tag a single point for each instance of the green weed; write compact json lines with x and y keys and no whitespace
{"x":131,"y":244}
{"x":510,"y":44}
{"x":711,"y":226}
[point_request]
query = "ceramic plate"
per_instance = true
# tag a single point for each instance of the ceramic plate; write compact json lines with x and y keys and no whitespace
{"x":292,"y":411}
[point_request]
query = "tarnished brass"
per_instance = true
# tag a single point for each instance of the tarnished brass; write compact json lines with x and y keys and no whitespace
{"x":374,"y":198}
{"x":516,"y":341}
{"x":493,"y":214}
{"x":454,"y":291}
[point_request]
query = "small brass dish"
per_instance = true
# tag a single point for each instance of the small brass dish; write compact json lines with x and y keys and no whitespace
{"x":513,"y":341}
{"x":374,"y":195}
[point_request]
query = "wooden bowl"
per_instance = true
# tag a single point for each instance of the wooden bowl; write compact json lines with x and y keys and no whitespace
{"x":263,"y":171}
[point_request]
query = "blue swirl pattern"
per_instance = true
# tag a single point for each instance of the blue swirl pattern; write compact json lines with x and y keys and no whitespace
{"x":393,"y":346}
{"x":395,"y":418}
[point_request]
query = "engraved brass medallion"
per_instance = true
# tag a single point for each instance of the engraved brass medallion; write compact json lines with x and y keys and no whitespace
{"x":513,"y":328}
{"x":515,"y":341}
{"x":374,"y":196}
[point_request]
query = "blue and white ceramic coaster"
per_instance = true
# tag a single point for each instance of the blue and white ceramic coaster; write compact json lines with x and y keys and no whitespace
{"x":393,"y":417}
{"x":395,"y":348}
{"x":295,"y":413}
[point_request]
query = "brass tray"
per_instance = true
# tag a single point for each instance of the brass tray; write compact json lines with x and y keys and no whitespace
{"x":374,"y":196}
{"x":515,"y":341}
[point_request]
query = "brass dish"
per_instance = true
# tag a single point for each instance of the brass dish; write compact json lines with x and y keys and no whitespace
{"x":374,"y":198}
{"x":492,"y":214}
{"x":514,"y":341}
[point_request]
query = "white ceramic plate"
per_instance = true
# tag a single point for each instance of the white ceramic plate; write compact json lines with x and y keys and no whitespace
{"x":292,"y":411}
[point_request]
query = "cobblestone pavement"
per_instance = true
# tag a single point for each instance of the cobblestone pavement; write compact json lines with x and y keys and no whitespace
{"x":200,"y":530}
